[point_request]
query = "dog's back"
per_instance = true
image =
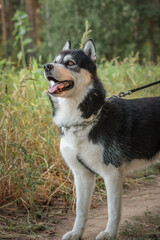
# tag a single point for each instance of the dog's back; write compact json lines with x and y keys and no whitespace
{"x":131,"y":127}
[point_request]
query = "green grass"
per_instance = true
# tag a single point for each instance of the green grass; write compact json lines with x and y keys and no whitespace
{"x":31,"y":168}
{"x":129,"y":74}
{"x":141,"y":228}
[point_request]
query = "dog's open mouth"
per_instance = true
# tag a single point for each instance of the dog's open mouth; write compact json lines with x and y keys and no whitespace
{"x":59,"y":86}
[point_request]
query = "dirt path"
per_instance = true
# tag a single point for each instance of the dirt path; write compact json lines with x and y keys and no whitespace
{"x":135,"y":203}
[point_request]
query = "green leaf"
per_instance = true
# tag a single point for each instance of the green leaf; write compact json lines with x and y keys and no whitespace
{"x":2,"y":61}
{"x":30,"y":50}
{"x":17,"y":38}
{"x":24,"y":16}
{"x":27,"y":41}
{"x":22,"y":31}
{"x":19,"y":55}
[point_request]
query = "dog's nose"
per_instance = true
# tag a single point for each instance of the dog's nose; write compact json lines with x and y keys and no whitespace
{"x":48,"y":66}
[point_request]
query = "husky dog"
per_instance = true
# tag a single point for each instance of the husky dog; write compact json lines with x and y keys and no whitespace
{"x":99,"y":135}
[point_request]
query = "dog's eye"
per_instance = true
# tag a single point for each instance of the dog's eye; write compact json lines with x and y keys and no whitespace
{"x":70,"y":63}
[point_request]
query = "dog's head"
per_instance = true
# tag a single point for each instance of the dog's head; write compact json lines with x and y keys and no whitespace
{"x":72,"y":71}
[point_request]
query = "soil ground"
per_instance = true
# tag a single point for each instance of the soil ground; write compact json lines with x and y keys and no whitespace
{"x":135,"y":203}
{"x":144,"y":197}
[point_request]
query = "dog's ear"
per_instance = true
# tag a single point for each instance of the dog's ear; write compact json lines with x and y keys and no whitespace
{"x":67,"y":45}
{"x":90,"y":50}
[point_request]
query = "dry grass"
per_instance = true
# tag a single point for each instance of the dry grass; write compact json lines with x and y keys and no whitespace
{"x":146,"y":227}
{"x":31,"y":169}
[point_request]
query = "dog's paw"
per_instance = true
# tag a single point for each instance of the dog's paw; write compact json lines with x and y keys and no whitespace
{"x":104,"y":236}
{"x":71,"y":236}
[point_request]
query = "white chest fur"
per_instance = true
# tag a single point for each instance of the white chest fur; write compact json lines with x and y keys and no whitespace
{"x":77,"y":144}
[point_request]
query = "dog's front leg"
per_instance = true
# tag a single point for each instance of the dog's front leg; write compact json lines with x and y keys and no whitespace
{"x":114,"y":196}
{"x":84,"y":181}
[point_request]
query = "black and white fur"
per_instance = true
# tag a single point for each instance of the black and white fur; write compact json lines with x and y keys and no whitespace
{"x":121,"y":135}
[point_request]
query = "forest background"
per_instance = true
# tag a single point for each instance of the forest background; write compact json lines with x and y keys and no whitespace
{"x":40,"y":28}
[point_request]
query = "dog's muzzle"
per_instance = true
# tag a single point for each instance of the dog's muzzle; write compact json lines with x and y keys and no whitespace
{"x":56,"y":86}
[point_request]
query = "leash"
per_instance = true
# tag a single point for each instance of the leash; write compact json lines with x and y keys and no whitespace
{"x":95,"y":117}
{"x":129,"y":92}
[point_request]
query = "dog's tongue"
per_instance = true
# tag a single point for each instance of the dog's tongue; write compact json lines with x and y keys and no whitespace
{"x":55,"y":87}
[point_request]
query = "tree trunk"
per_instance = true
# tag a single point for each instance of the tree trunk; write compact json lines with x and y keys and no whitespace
{"x":4,"y":32}
{"x":36,"y":22}
{"x":47,"y":20}
{"x":10,"y":17}
{"x":29,"y":10}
